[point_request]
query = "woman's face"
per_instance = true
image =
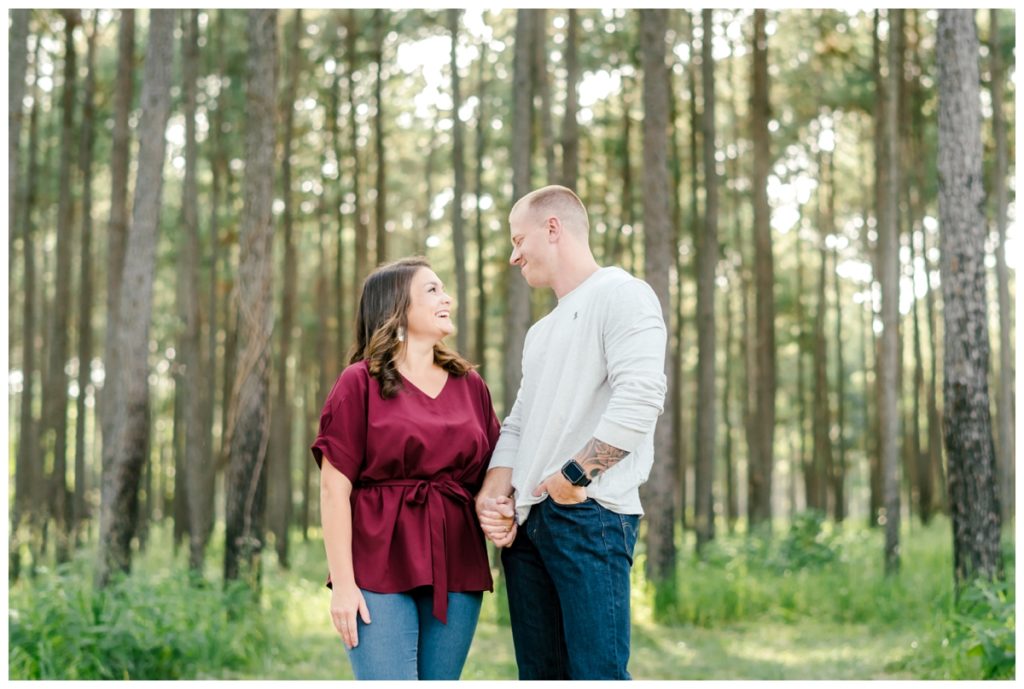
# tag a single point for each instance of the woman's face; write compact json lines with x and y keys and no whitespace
{"x":429,"y":315}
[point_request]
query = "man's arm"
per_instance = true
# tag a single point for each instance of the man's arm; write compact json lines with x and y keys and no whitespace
{"x":634,"y":345}
{"x":597,"y":457}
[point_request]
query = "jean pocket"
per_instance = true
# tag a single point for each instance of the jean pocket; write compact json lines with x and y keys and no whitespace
{"x":630,"y":524}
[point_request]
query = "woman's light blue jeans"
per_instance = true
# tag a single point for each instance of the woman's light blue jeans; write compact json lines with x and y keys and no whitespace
{"x":405,"y":641}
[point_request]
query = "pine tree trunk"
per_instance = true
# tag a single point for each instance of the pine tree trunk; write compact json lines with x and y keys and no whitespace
{"x":889,"y":276}
{"x":880,"y":191}
{"x":659,"y":491}
{"x":803,"y":460}
{"x":202,"y":499}
{"x":707,"y":260}
{"x":117,"y":227}
{"x":341,"y":343}
{"x":17,"y":59}
{"x":936,"y":444}
{"x":279,"y":469}
{"x":1006,"y":412}
{"x":680,"y":439}
{"x":55,"y":408}
{"x":480,"y":340}
{"x":822,"y":416}
{"x":968,"y":431}
{"x":517,"y":292}
{"x":459,"y":168}
{"x":542,"y":88}
{"x":248,"y":426}
{"x":570,"y":127}
{"x":362,"y":249}
{"x":124,"y":457}
{"x":379,"y":23}
{"x":839,"y":477}
{"x":763,"y":458}
{"x":85,"y":290}
{"x":694,"y":222}
{"x":28,"y":469}
{"x":198,"y":479}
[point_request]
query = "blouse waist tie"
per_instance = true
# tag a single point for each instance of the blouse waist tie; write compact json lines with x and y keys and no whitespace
{"x":432,"y":493}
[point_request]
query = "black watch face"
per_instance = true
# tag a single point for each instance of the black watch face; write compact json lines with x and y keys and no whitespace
{"x":574,"y":473}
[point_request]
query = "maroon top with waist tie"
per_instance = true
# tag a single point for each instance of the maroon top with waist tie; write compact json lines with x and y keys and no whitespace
{"x":415,"y":463}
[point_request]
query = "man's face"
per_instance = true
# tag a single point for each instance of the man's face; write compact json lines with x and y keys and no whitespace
{"x":531,"y":250}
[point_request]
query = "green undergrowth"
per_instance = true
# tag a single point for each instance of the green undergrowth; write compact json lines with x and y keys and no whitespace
{"x":815,"y":573}
{"x":811,"y":602}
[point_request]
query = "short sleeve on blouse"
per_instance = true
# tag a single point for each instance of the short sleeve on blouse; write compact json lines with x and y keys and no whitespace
{"x":490,"y":418}
{"x":342,"y":435}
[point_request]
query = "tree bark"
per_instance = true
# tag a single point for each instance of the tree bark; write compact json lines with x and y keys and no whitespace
{"x":680,"y":439}
{"x":517,"y":292}
{"x":822,"y":416}
{"x":55,"y":414}
{"x":459,"y":168}
{"x":17,"y":59}
{"x":968,"y":429}
{"x":889,"y":276}
{"x":839,"y":476}
{"x":659,"y":491}
{"x":570,"y":127}
{"x":762,"y":458}
{"x":542,"y":88}
{"x":248,"y":425}
{"x":379,"y":23}
{"x":198,"y":477}
{"x":362,"y":249}
{"x":707,"y":259}
{"x":481,"y":261}
{"x":202,"y":500}
{"x":279,"y":487}
{"x":694,"y":222}
{"x":28,"y":469}
{"x":117,"y":227}
{"x":85,"y":289}
{"x":1006,"y":412}
{"x":125,"y":455}
{"x":881,"y":189}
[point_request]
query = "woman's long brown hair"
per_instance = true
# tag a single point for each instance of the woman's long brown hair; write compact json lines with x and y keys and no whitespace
{"x":383,"y":306}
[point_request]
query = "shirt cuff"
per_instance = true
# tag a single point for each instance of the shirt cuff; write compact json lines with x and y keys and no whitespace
{"x":619,"y":436}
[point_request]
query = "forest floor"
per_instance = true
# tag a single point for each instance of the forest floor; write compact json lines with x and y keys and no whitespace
{"x":805,"y":650}
{"x":765,"y":648}
{"x":812,"y":603}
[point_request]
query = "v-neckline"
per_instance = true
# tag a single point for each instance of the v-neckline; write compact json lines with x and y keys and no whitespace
{"x":413,"y":385}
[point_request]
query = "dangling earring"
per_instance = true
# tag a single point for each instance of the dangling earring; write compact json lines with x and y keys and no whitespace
{"x":401,"y":334}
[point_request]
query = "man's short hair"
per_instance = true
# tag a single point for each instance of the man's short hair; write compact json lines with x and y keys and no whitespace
{"x":558,"y":201}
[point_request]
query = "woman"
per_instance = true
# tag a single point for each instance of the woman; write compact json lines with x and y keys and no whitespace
{"x":407,"y":432}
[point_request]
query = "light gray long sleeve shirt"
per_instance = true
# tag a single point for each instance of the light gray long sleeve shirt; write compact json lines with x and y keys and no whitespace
{"x":592,"y":368}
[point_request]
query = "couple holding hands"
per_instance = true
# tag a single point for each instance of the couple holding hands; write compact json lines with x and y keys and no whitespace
{"x":419,"y":471}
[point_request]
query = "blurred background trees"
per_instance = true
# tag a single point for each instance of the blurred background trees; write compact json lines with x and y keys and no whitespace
{"x":177,"y":318}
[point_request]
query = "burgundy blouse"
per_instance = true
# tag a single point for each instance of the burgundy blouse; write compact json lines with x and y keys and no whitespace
{"x":415,"y":463}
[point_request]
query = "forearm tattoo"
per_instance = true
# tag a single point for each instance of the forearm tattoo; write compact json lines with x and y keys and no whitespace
{"x":597,"y":457}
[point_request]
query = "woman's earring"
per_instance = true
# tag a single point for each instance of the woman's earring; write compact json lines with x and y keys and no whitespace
{"x":401,"y":334}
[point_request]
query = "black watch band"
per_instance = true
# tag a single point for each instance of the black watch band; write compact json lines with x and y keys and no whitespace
{"x":574,"y":473}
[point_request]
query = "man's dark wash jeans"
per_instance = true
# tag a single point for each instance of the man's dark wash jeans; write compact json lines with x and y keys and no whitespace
{"x":568,"y":591}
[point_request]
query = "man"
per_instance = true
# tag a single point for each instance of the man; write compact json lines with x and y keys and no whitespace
{"x":575,"y":448}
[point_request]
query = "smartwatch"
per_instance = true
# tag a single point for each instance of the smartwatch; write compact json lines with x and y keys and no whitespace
{"x":574,"y":473}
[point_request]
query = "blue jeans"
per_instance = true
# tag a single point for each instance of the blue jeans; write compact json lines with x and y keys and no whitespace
{"x":405,"y":641}
{"x":567,"y":574}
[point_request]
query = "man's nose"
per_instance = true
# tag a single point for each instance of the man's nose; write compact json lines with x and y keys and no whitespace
{"x":514,"y":258}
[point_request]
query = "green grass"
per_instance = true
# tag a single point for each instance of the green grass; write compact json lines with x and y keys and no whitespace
{"x":810,"y":603}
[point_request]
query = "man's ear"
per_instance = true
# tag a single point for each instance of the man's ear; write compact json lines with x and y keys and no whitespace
{"x":554,"y":228}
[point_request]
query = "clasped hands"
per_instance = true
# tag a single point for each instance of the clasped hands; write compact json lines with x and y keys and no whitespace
{"x":497,"y":513}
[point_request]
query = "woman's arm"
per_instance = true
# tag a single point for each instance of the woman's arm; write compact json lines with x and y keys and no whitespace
{"x":336,"y":519}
